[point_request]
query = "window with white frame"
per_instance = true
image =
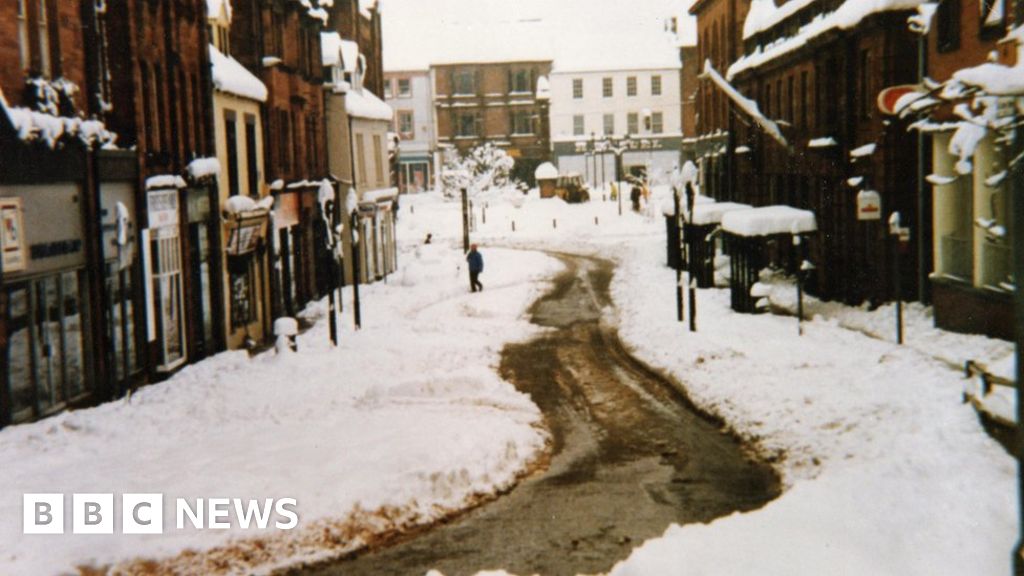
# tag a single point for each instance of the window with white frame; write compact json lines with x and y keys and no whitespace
{"x":405,"y":124}
{"x":607,"y":87}
{"x":578,"y":126}
{"x":657,"y":123}
{"x":464,"y":82}
{"x":404,"y":88}
{"x":519,"y":80}
{"x":609,"y":124}
{"x":631,"y":86}
{"x":577,"y":88}
{"x":656,"y":85}
{"x":632,"y":123}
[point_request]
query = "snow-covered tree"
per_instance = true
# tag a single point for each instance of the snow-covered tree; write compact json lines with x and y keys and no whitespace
{"x":483,"y":168}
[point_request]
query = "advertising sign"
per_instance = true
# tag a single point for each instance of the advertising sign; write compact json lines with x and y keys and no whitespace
{"x":12,"y":236}
{"x":869,"y":205}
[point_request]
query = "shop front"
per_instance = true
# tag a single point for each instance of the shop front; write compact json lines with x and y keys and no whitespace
{"x":124,"y":364}
{"x":247,"y":278}
{"x":47,"y":353}
{"x":166,"y":331}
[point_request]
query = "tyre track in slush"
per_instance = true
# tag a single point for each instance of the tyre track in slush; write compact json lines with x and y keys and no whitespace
{"x":630,"y":456}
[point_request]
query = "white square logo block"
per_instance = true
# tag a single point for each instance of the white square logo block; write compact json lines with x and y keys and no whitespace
{"x":43,"y":513}
{"x":142,"y":513}
{"x":92,"y":513}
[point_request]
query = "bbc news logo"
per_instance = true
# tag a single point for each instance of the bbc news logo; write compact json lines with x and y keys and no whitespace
{"x":144,"y":513}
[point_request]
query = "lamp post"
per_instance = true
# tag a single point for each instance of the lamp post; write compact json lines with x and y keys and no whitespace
{"x":690,"y":199}
{"x":357,"y":315}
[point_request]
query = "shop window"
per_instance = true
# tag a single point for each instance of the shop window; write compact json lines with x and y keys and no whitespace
{"x":243,"y":307}
{"x":165,"y":250}
{"x":47,"y":344}
{"x":957,"y":238}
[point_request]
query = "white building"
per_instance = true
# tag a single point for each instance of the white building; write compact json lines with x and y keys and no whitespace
{"x":612,"y":92}
{"x":409,"y":94}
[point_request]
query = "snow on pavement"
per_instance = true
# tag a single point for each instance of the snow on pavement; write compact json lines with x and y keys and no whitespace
{"x":406,"y":422}
{"x":886,"y":471}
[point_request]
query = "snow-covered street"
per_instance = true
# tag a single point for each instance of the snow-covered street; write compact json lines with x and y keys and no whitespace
{"x":885,"y":470}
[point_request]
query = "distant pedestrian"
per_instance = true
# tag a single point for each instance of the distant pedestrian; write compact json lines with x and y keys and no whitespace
{"x":429,"y":238}
{"x":634,"y":197}
{"x":476,"y":266}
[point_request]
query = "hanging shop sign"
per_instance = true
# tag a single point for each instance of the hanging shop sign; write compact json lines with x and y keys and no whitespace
{"x":12,"y":236}
{"x":869,"y":205}
{"x":286,"y":210}
{"x":162,"y":206}
{"x":244,"y":235}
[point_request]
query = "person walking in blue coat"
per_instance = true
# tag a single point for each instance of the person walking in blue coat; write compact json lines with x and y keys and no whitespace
{"x":476,"y":266}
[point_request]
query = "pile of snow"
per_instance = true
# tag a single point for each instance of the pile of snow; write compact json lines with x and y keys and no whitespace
{"x":365,"y":104}
{"x":712,"y":213}
{"x":203,"y":167}
{"x":231,"y":77}
{"x":826,"y":142}
{"x":769,"y":220}
{"x":546,"y":171}
{"x":399,"y":425}
{"x":32,"y":125}
{"x":862,"y":151}
{"x":164,"y":181}
{"x":746,"y":104}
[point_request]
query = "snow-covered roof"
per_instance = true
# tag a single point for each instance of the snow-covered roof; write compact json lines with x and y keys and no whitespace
{"x":763,"y":15}
{"x":366,"y":104}
{"x":330,"y":48}
{"x":231,"y":77}
{"x":746,"y":104}
{"x":769,"y":220}
{"x":546,"y":171}
{"x":349,"y":55}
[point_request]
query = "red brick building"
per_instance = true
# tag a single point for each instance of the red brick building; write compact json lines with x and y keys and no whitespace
{"x":496,"y":103}
{"x":816,"y":71}
{"x":55,"y":347}
{"x":362,"y":26}
{"x":158,"y":100}
{"x":279,"y":41}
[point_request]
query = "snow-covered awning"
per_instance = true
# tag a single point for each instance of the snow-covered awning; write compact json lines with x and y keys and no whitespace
{"x":366,"y":104}
{"x":231,"y":77}
{"x":745,"y":104}
{"x":769,"y":220}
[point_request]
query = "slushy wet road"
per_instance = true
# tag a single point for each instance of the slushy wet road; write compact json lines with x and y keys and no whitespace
{"x":630,"y":457}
